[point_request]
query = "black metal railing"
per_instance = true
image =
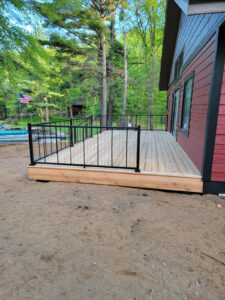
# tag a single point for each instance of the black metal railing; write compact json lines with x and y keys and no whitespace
{"x":116,"y":145}
{"x":147,"y":122}
{"x":95,"y":146}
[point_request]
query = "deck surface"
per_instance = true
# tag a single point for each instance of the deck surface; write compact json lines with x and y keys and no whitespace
{"x":163,"y":163}
{"x":160,"y":153}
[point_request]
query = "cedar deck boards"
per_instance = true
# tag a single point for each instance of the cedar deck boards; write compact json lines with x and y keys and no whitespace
{"x":163,"y":163}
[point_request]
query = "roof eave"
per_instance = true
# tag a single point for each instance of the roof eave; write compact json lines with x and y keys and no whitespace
{"x":172,"y":19}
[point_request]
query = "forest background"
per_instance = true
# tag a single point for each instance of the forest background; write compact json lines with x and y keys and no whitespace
{"x":103,"y":54}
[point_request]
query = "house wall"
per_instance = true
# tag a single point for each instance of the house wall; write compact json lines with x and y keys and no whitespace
{"x":193,"y":31}
{"x":201,"y":65}
{"x":218,"y":167}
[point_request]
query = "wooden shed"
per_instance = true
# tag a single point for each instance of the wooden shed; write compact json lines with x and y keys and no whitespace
{"x":193,"y":73}
{"x":78,"y":106}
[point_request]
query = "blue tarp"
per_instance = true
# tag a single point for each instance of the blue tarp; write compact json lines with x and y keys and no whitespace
{"x":13,"y":132}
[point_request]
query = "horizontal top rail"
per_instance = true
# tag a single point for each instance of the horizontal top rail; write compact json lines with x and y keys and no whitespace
{"x":84,"y":126}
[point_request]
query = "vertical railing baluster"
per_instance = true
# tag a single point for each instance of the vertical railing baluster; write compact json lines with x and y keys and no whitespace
{"x":31,"y":145}
{"x":75,"y":134}
{"x":83,"y":147}
{"x":126,"y":146}
{"x":65,"y":132}
{"x":86,"y":130}
{"x":39,"y":149}
{"x":44,"y":145}
{"x":60,"y":135}
{"x":56,"y":144}
{"x":92,"y":126}
{"x":50,"y":129}
{"x":71,"y":133}
{"x":98,"y":147}
{"x":70,"y":155}
{"x":112,"y":147}
{"x":138,"y":149}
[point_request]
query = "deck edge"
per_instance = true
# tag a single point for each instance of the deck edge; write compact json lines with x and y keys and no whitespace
{"x":120,"y":178}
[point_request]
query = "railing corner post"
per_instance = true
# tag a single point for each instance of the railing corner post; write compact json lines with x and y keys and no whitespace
{"x":138,"y":148}
{"x":32,"y":163}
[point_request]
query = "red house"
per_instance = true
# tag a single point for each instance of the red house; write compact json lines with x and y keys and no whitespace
{"x":193,"y":73}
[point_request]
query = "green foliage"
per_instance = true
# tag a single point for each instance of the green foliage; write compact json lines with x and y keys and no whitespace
{"x":58,"y":63}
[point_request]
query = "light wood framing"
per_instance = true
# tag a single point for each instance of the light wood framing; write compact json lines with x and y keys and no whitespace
{"x":111,"y":177}
{"x":163,"y":163}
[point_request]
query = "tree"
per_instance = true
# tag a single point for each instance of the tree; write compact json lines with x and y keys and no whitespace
{"x":125,"y":80}
{"x":148,"y":20}
{"x":84,"y":54}
{"x":85,"y":25}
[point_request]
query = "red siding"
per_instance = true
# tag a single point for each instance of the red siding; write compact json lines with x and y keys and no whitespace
{"x":218,"y":167}
{"x":202,"y":67}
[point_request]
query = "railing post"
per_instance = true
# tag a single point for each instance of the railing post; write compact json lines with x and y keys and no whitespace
{"x":92,"y":125}
{"x":32,"y":163}
{"x":56,"y":143}
{"x":166,"y":120}
{"x":75,"y":134}
{"x":71,"y":132}
{"x":138,"y":149}
{"x":83,"y":148}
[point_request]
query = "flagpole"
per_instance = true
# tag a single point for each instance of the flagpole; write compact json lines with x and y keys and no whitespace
{"x":21,"y":112}
{"x":26,"y":99}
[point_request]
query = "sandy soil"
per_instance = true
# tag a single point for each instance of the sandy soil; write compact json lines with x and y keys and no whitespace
{"x":74,"y":241}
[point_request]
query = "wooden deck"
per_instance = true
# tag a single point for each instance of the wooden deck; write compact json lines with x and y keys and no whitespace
{"x":163,"y":163}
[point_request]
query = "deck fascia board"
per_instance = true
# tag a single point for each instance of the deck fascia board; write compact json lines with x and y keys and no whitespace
{"x":118,"y":178}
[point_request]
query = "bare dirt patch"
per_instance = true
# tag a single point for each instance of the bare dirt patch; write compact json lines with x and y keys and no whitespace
{"x":80,"y":241}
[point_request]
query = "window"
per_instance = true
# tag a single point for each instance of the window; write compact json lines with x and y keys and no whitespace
{"x":175,"y":112}
{"x":168,"y":103}
{"x":178,"y":67}
{"x":185,"y":121}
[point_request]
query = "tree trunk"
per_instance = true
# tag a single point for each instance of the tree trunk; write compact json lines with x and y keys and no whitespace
{"x":152,"y":76}
{"x":103,"y":83}
{"x":46,"y":110}
{"x":100,"y":70}
{"x":124,"y":82}
{"x":110,"y":75}
{"x":60,"y":109}
{"x":110,"y":108}
{"x":103,"y":64}
{"x":71,"y":112}
{"x":66,"y":108}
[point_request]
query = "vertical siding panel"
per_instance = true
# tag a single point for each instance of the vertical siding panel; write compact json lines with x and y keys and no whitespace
{"x":192,"y":31}
{"x":202,"y":67}
{"x":218,"y":167}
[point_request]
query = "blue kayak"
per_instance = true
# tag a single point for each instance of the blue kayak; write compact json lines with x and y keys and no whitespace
{"x":13,"y":132}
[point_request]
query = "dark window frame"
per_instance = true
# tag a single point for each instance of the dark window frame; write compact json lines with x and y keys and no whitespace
{"x":178,"y":68}
{"x":178,"y":87}
{"x":168,"y":103}
{"x":184,"y":130}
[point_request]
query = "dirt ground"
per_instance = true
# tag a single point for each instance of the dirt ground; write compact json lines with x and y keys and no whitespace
{"x":80,"y":241}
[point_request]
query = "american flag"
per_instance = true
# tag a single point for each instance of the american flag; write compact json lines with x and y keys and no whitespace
{"x":24,"y":98}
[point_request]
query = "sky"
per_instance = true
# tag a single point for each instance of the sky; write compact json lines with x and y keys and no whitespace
{"x":27,"y":20}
